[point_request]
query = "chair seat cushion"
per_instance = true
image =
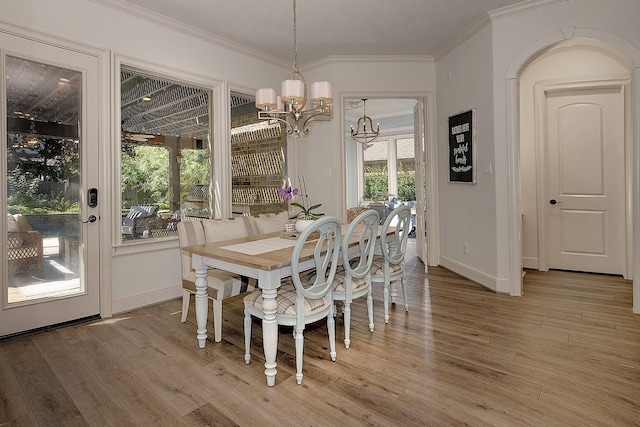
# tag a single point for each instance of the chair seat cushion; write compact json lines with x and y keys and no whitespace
{"x":286,"y":300}
{"x":378,"y":263}
{"x":221,"y":284}
{"x":341,"y":276}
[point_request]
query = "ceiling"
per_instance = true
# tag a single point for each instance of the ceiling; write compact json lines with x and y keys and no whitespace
{"x":327,"y":27}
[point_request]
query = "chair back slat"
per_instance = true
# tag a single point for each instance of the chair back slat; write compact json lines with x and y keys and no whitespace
{"x":326,"y":252}
{"x":394,"y":248}
{"x":189,"y":233}
{"x":366,"y":223}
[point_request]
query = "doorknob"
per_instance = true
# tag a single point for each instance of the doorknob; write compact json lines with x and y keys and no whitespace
{"x":91,"y":218}
{"x":553,"y":202}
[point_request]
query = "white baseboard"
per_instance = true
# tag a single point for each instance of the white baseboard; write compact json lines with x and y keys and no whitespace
{"x":530,"y":263}
{"x":492,"y":283}
{"x":142,"y":300}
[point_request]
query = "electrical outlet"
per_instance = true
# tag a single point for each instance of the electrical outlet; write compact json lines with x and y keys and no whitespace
{"x":465,"y":248}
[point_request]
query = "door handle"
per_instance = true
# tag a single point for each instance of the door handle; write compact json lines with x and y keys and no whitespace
{"x":91,"y":218}
{"x":553,"y":202}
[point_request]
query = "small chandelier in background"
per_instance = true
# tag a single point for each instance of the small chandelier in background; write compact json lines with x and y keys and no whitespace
{"x":28,"y":141}
{"x":365,"y":134}
{"x":292,"y":107}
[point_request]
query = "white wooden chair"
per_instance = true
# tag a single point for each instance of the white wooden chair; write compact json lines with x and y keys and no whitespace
{"x":352,"y":279}
{"x":310,"y":298}
{"x":388,"y":267}
{"x":221,"y":284}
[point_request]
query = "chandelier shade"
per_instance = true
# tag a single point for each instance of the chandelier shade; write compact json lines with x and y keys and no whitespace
{"x":364,"y":133}
{"x":292,"y":107}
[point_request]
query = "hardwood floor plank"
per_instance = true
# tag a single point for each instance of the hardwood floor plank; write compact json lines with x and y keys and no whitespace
{"x":91,"y":397}
{"x":14,"y":406}
{"x":47,"y":397}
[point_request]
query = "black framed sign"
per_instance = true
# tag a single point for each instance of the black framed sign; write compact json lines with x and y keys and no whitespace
{"x":462,"y":147}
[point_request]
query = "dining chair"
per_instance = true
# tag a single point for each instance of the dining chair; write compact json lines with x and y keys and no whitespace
{"x":310,"y":297}
{"x":352,"y":279}
{"x":220,"y":284}
{"x":388,"y":266}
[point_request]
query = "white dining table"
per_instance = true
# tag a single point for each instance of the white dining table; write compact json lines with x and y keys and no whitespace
{"x":265,"y":257}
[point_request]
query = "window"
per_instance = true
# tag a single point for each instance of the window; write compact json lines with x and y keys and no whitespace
{"x":389,"y":169}
{"x":258,"y":167}
{"x":165,"y":172}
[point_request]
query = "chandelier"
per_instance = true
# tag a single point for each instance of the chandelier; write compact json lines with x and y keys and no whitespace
{"x":364,"y":133}
{"x":28,"y":141}
{"x":292,"y":108}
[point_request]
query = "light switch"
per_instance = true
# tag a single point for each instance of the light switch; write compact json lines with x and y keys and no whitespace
{"x":488,"y":168}
{"x":327,"y":173}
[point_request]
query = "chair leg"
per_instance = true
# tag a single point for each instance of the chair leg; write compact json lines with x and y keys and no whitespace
{"x":217,"y":319}
{"x":346,"y":310}
{"x":247,"y":337}
{"x":385,"y":300}
{"x":331,"y":328}
{"x":299,"y":347}
{"x":394,"y":292}
{"x":186,"y":297}
{"x":404,"y":294}
{"x":370,"y":309}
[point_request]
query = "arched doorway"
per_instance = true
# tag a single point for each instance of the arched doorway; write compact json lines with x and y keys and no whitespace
{"x":610,"y":43}
{"x":573,"y":177}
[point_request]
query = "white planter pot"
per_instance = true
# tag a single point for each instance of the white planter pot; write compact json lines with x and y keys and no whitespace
{"x":302,"y":224}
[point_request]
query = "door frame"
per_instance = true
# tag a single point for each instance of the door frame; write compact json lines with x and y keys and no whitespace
{"x":520,"y":61}
{"x":104,"y":152}
{"x":541,"y":91}
{"x":430,"y":151}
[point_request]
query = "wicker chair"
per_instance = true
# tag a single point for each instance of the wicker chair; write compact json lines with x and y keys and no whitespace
{"x":163,"y":227}
{"x":24,"y":245}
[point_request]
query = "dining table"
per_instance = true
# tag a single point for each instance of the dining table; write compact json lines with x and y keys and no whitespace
{"x":265,"y":257}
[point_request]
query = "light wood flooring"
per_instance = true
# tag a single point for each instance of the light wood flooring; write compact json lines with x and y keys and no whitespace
{"x":567,"y":353}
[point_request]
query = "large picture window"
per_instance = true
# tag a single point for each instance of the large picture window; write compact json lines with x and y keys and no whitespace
{"x":165,"y":145}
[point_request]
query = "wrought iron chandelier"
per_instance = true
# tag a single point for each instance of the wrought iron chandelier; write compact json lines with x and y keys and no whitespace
{"x":292,"y":108}
{"x":364,"y":133}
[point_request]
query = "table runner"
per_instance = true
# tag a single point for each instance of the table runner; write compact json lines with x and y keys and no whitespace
{"x":261,"y":246}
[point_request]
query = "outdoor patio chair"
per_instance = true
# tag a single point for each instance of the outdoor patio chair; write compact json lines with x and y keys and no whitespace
{"x":137,"y":220}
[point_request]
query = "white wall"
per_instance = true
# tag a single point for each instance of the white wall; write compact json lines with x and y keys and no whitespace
{"x":561,"y":63}
{"x":468,"y":211}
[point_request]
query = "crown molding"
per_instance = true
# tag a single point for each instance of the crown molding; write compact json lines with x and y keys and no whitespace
{"x":525,"y":7}
{"x":180,"y":27}
{"x":337,"y":59}
{"x":502,"y":13}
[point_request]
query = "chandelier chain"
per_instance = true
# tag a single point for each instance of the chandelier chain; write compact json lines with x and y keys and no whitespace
{"x":295,"y":39}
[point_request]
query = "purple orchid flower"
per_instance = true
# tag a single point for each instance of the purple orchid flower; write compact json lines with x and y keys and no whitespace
{"x":287,"y":192}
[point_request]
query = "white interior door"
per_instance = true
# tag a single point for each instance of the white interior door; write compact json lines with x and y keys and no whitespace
{"x":585,"y":179}
{"x":421,"y":165}
{"x":50,"y":240}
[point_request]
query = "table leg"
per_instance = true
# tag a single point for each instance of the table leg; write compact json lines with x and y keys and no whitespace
{"x":270,"y":335}
{"x":201,"y":300}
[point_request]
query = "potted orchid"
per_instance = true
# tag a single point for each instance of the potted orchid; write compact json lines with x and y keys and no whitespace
{"x":306,"y":212}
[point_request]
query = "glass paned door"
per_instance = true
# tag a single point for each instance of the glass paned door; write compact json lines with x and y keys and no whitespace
{"x":50,"y":275}
{"x":43,"y":169}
